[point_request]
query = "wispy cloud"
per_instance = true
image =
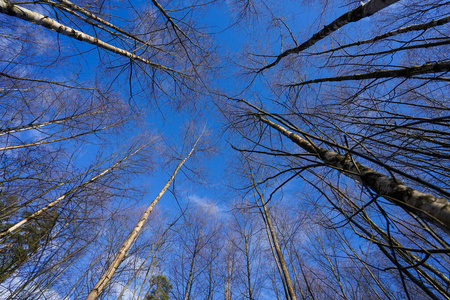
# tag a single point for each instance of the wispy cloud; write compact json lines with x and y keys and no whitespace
{"x":32,"y":290}
{"x":207,"y":205}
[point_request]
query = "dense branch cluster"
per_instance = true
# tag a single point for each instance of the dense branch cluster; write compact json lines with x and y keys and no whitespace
{"x":332,"y":118}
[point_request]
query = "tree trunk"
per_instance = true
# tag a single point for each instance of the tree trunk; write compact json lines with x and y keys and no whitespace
{"x":36,"y":214}
{"x":428,"y":207}
{"x":361,"y":12}
{"x":107,"y":276}
{"x":275,"y":243}
{"x":11,"y":9}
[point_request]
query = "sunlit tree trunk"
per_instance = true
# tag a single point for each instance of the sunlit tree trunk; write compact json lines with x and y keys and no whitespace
{"x":365,"y":10}
{"x":23,"y":13}
{"x":429,"y":207}
{"x":107,"y":276}
{"x":60,"y":199}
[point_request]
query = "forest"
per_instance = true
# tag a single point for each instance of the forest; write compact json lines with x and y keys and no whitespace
{"x":224,"y":149}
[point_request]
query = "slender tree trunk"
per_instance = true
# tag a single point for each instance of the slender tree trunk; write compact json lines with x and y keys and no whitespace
{"x":297,"y":279}
{"x":229,"y":274}
{"x":247,"y":259}
{"x":44,"y":142}
{"x":71,"y":7}
{"x":407,"y":72}
{"x":192,"y":267}
{"x":52,"y":204}
{"x":10,"y":130}
{"x":187,"y":292}
{"x":276,"y":245}
{"x":334,"y":271}
{"x":11,"y":9}
{"x":361,"y":12}
{"x":415,"y":27}
{"x":106,"y":277}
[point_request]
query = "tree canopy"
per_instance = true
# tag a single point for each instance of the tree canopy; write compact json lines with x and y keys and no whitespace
{"x":160,"y":288}
{"x":246,"y":149}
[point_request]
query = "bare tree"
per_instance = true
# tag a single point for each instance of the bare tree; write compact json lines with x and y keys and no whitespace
{"x":338,"y":116}
{"x":247,"y":239}
{"x":106,"y":277}
{"x":196,"y":254}
{"x":65,"y":172}
{"x":356,"y":116}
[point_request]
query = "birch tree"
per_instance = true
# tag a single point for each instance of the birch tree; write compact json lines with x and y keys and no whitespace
{"x":106,"y":277}
{"x":336,"y":117}
{"x":247,"y":239}
{"x":355,"y":109}
{"x":69,"y":79}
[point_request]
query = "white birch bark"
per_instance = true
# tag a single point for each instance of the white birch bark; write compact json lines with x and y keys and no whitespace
{"x":43,"y":142}
{"x":107,"y":276}
{"x":23,"y":13}
{"x":71,"y":6}
{"x":433,"y":209}
{"x":407,"y":72}
{"x":36,"y":214}
{"x":415,"y":27}
{"x":45,"y":81}
{"x":11,"y":130}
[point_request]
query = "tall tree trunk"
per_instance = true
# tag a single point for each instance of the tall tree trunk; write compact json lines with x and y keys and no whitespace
{"x":361,"y":12}
{"x":106,"y":277}
{"x":60,"y":199}
{"x":433,"y":209}
{"x":247,"y":261}
{"x":273,"y":236}
{"x":21,"y":12}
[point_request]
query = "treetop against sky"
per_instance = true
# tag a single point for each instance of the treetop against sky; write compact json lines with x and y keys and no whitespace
{"x":228,"y":149}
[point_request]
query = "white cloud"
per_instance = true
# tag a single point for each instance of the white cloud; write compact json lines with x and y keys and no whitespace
{"x":207,"y":205}
{"x":117,"y":289}
{"x":9,"y":286}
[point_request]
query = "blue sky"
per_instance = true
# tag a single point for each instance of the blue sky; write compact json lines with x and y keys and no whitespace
{"x":265,"y":32}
